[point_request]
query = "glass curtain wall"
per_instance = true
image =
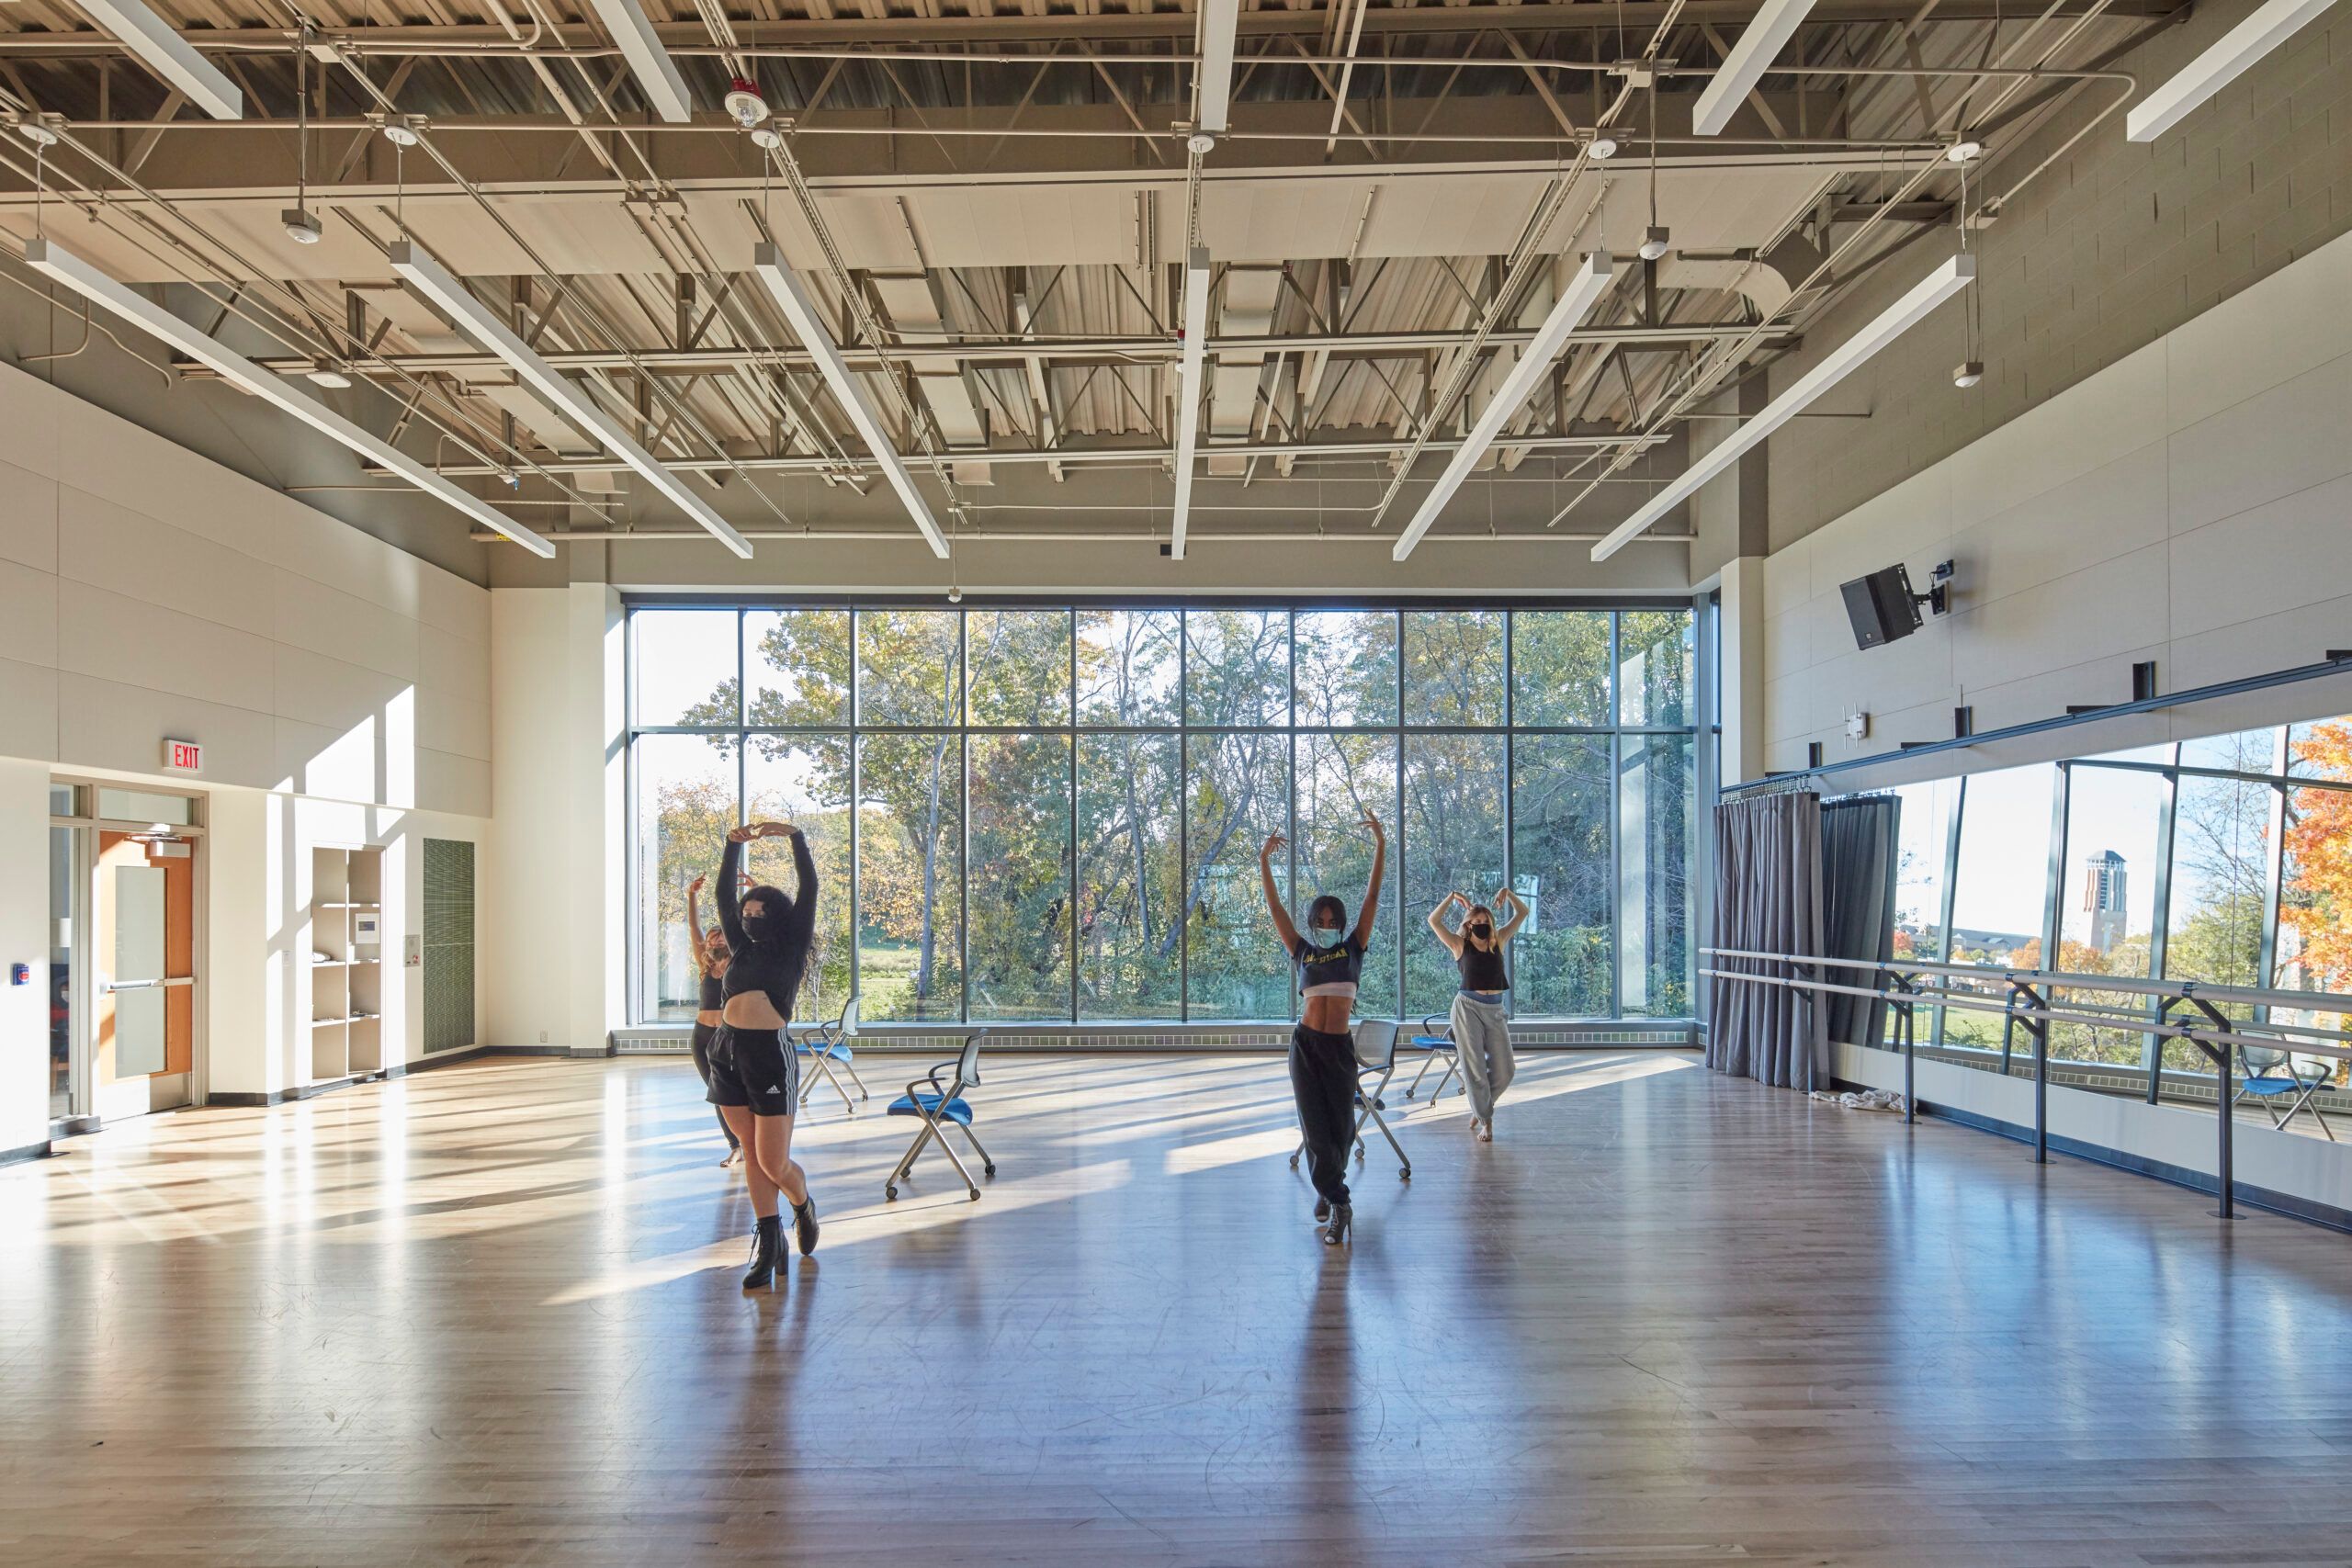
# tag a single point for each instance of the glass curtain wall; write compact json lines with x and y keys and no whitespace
{"x":1054,"y":812}
{"x":2226,"y":860}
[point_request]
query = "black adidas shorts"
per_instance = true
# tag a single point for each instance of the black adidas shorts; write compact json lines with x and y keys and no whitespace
{"x":755,"y":1067}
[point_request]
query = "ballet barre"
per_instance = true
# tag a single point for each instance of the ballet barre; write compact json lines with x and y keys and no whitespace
{"x":2031,"y":997}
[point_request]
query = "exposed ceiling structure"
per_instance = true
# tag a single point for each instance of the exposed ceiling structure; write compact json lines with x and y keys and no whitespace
{"x":989,"y":207}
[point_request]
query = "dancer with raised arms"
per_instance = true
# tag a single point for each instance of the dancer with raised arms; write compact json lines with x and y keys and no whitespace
{"x":755,"y":1074}
{"x":1329,"y":957}
{"x":1481,"y":1024}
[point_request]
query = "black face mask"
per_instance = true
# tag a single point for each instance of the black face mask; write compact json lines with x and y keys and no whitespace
{"x":1482,"y":932}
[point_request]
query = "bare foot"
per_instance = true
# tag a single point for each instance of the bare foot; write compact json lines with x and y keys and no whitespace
{"x":1485,"y":1131}
{"x":734,"y":1156}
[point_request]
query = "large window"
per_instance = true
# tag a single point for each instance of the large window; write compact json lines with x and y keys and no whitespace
{"x":1048,"y":813}
{"x":2225,"y":860}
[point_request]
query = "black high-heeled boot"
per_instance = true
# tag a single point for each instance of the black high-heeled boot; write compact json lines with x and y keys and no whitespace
{"x":767,"y":1241}
{"x":804,"y":1225}
{"x":1343,"y":1217}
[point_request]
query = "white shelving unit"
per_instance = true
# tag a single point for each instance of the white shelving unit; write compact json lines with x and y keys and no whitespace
{"x":346,"y":961}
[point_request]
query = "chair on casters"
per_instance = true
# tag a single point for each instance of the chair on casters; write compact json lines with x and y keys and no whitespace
{"x":938,"y":1108}
{"x":1375,"y":1048}
{"x":827,"y":1043}
{"x":1436,"y":1038}
{"x":2275,"y":1074}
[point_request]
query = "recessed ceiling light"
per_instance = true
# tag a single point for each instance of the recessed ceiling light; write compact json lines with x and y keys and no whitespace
{"x":1963,"y":151}
{"x":327,"y":373}
{"x":1604,"y":147}
{"x":301,"y":225}
{"x":1655,"y":243}
{"x":1968,"y":375}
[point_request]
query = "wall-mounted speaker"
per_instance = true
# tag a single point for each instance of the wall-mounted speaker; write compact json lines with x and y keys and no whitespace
{"x":1881,"y":606}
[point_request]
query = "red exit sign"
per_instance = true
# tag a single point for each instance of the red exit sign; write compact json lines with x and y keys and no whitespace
{"x":183,"y":756}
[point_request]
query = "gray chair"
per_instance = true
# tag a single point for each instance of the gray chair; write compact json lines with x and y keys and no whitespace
{"x":1375,"y":1049}
{"x":940,"y":1107}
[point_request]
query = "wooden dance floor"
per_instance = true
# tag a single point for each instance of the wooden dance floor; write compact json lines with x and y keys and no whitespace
{"x":489,"y":1315}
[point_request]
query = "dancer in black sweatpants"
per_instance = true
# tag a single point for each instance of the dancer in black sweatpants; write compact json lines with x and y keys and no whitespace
{"x":1322,"y":1052}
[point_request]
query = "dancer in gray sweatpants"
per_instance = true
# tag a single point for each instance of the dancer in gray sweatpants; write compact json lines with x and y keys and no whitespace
{"x":1481,"y":1026}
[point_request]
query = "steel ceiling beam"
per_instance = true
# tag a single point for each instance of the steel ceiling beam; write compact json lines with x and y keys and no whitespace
{"x":891,"y":31}
{"x":1015,"y":352}
{"x":1381,"y":446}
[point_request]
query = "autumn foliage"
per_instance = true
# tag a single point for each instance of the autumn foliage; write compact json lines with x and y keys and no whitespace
{"x":2316,"y":896}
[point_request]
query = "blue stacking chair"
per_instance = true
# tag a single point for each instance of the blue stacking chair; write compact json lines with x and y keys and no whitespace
{"x":1436,"y":1041}
{"x":2273,"y":1076}
{"x":827,"y":1044}
{"x":940,"y":1107}
{"x":1375,"y":1048}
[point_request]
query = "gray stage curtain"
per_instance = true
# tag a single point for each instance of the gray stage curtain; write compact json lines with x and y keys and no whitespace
{"x":1858,"y":859}
{"x":1768,"y":899}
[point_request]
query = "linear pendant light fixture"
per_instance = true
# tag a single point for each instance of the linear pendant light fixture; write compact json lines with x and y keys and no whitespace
{"x":61,"y":266}
{"x":455,"y":300}
{"x":800,"y":309}
{"x":2269,"y":26}
{"x":1938,"y":285}
{"x":1188,"y":392}
{"x":160,"y":49}
{"x":1218,"y":21}
{"x":1759,"y":44}
{"x":1575,"y":303}
{"x":656,"y":72}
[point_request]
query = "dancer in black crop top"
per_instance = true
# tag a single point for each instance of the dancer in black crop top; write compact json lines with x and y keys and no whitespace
{"x":1322,"y":1053}
{"x":1481,"y":1026}
{"x":754,"y":1073}
{"x":710,"y":963}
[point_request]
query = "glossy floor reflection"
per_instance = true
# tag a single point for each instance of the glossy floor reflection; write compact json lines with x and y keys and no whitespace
{"x":488,"y":1315}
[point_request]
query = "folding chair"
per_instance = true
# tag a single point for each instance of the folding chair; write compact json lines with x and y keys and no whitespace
{"x":1375,"y":1049}
{"x":828,"y":1043}
{"x":1436,"y":1040}
{"x":2272,"y":1075}
{"x":942,"y":1106}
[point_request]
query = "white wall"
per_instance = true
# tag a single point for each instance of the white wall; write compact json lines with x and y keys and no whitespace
{"x":2115,"y":243}
{"x":2186,"y":504}
{"x":553,"y":880}
{"x":340,"y":688}
{"x":146,"y":591}
{"x":23,"y":938}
